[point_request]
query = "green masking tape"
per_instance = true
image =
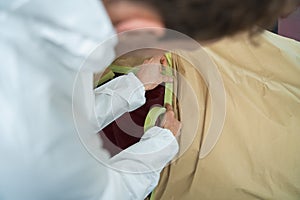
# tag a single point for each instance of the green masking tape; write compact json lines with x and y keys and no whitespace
{"x":108,"y":76}
{"x":122,"y":69}
{"x":152,"y":117}
{"x":168,"y":86}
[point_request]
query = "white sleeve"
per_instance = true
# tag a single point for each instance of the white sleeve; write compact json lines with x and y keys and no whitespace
{"x":123,"y":94}
{"x":139,"y":166}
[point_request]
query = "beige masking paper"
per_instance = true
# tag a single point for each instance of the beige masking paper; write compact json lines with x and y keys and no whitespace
{"x":257,"y":154}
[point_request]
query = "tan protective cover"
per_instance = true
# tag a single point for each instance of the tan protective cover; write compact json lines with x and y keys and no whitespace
{"x":258,"y":153}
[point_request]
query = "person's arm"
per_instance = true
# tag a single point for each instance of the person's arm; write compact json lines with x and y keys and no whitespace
{"x":123,"y":94}
{"x":139,"y":166}
{"x":126,"y":93}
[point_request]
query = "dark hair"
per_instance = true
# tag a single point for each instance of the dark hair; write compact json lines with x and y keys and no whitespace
{"x":212,"y":19}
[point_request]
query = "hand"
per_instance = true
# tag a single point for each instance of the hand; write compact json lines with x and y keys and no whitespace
{"x":170,"y":122}
{"x":150,"y":73}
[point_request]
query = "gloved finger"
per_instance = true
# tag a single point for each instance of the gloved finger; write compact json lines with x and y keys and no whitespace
{"x":166,"y":79}
{"x":156,"y":59}
{"x":168,"y":117}
{"x":170,"y":114}
{"x":170,"y":122}
{"x":163,"y":60}
{"x":147,"y":61}
{"x":163,"y":121}
{"x":179,"y":129}
{"x":169,"y":107}
{"x":160,"y":68}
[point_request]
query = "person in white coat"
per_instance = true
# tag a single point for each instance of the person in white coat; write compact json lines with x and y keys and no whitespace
{"x":42,"y":45}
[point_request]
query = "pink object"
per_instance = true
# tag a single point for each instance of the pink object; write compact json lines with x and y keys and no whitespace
{"x":290,"y":26}
{"x":132,"y":24}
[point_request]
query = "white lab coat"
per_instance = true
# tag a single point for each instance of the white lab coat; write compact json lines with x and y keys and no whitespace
{"x":42,"y":45}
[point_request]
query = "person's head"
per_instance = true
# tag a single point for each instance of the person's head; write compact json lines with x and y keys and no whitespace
{"x":200,"y":19}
